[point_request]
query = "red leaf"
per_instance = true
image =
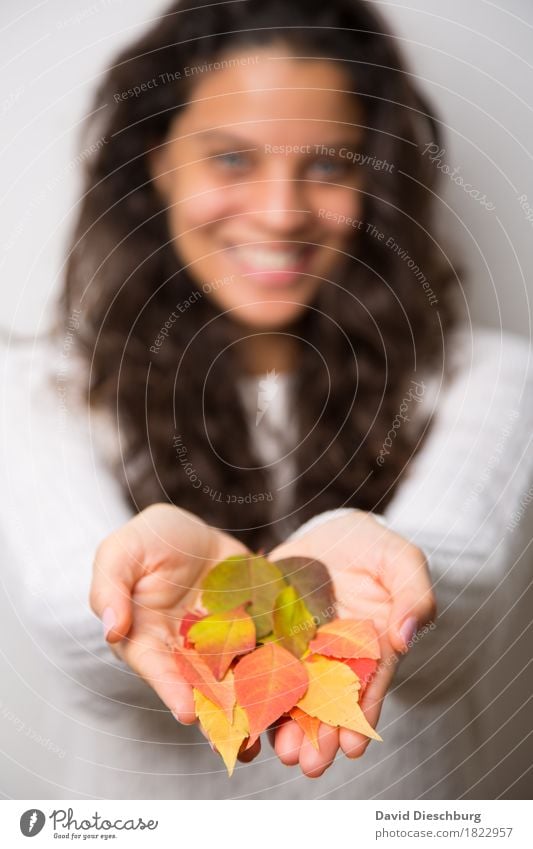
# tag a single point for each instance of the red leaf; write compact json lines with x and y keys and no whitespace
{"x":364,"y":668}
{"x":196,"y":672}
{"x":268,"y":683}
{"x":189,"y":618}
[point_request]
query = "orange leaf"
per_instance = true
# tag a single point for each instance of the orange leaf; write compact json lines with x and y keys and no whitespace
{"x":221,"y":637}
{"x":332,"y":696}
{"x":347,"y":638}
{"x":364,"y":668}
{"x":196,"y":672}
{"x":308,"y":724}
{"x":268,"y":682}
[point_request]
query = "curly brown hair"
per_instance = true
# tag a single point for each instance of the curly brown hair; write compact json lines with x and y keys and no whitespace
{"x":366,"y":336}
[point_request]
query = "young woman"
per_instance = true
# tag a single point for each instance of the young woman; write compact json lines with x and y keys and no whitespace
{"x":260,"y":324}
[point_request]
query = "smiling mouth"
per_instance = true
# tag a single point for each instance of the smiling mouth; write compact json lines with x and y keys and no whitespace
{"x":273,"y":265}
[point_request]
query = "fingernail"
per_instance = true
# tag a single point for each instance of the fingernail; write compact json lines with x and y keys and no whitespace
{"x":176,"y":716}
{"x":408,"y":630}
{"x":109,"y":620}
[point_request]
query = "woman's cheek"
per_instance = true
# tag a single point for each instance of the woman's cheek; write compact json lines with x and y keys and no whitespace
{"x":200,"y":203}
{"x":337,"y":207}
{"x":201,"y":212}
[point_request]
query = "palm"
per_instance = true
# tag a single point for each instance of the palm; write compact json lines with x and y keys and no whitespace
{"x":159,"y":601}
{"x":149,"y":571}
{"x":160,"y":598}
{"x":358,"y":557}
{"x":158,"y":560}
{"x":361,"y":595}
{"x":369,"y":566}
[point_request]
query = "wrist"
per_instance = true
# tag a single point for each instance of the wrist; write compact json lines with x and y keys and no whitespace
{"x":223,"y":545}
{"x":327,"y":516}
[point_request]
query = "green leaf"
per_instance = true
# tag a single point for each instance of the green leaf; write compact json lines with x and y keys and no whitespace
{"x":248,"y":580}
{"x":294,"y":625}
{"x":269,"y":638}
{"x":312,"y":581}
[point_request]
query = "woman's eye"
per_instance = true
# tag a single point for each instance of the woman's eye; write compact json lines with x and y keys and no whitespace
{"x":232,"y":161}
{"x":328,"y":168}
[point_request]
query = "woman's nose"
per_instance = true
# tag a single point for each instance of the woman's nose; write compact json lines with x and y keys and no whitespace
{"x":280,"y":204}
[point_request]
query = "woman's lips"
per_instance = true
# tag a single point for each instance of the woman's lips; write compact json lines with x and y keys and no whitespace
{"x":272,"y":266}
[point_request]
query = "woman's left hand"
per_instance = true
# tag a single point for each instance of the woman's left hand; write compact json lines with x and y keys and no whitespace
{"x":377,"y":575}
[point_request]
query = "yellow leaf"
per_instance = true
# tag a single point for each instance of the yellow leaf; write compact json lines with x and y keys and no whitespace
{"x":225,"y":736}
{"x":332,"y":696}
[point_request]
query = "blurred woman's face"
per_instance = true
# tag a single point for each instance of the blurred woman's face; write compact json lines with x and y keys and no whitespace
{"x":256,"y":173}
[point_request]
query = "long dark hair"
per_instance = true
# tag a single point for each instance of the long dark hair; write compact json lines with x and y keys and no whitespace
{"x":374,"y":327}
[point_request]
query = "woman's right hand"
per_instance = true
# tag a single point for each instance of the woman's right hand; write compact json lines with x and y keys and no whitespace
{"x":145,"y":575}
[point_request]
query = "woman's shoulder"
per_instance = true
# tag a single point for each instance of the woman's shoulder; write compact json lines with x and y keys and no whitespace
{"x":475,"y":462}
{"x":480,"y":404}
{"x":42,"y":402}
{"x":485,"y":369}
{"x":25,"y":362}
{"x":489,"y":348}
{"x":54,"y":454}
{"x":23,"y":371}
{"x":35,"y":386}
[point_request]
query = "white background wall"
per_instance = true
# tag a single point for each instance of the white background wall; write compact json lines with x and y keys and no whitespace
{"x":475,"y":59}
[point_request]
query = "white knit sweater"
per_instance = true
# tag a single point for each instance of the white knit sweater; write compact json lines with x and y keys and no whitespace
{"x":75,"y":723}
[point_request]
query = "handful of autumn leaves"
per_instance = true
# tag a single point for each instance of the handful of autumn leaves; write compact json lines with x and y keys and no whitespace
{"x":257,"y":652}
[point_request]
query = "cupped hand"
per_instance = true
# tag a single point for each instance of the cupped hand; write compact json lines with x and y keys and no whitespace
{"x":145,"y":575}
{"x":377,"y":575}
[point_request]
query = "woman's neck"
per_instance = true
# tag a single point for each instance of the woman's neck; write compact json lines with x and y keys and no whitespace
{"x":264,"y":352}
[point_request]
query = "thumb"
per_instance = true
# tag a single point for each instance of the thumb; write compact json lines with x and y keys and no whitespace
{"x":117,"y":567}
{"x":413,"y":601}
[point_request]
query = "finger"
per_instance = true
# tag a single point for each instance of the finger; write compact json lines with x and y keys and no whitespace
{"x":153,"y":661}
{"x":313,"y":762}
{"x":287,"y":743}
{"x":405,"y":576}
{"x":273,"y":729}
{"x":118,"y":565}
{"x":352,"y":743}
{"x":247,"y":755}
{"x":206,"y":735}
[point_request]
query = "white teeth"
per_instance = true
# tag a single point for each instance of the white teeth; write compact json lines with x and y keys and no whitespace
{"x":269,"y":259}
